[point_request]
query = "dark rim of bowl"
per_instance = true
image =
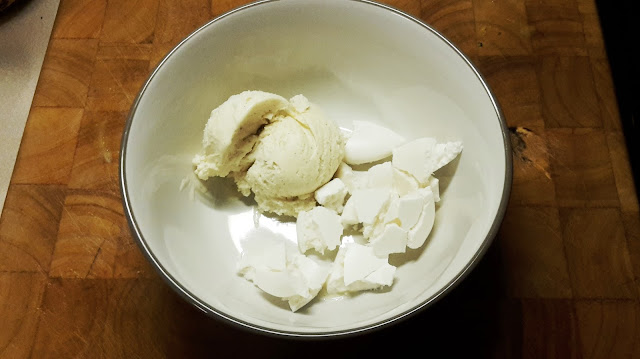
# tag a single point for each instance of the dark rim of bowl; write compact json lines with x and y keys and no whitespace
{"x":207,"y":309}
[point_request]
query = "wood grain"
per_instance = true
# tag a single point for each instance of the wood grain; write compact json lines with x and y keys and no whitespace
{"x":502,"y":28}
{"x":100,"y":319}
{"x":597,"y":253}
{"x":550,"y":329}
{"x":79,"y":19}
{"x":177,"y":19}
{"x":556,"y":28}
{"x":219,"y":7}
{"x":410,"y":7}
{"x":95,"y":165}
{"x":29,"y":227}
{"x":49,"y":139}
{"x":129,"y":21}
{"x":606,"y":93}
{"x":514,"y":80}
{"x":20,"y":295}
{"x":569,"y":97}
{"x":158,"y":52}
{"x":581,"y":168}
{"x":631,"y":222}
{"x":561,"y":279}
{"x":533,"y":251}
{"x":92,"y":228}
{"x":609,"y":329}
{"x":120,"y":71}
{"x":622,"y":171}
{"x":593,"y":38}
{"x":66,"y":73}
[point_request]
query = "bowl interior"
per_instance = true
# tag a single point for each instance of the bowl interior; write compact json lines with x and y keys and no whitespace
{"x":358,"y":61}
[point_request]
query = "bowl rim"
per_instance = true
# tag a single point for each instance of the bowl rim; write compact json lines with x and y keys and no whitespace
{"x":210,"y":311}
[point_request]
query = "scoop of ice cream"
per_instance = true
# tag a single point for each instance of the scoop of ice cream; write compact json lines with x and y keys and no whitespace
{"x":230,"y":133}
{"x":280,"y":150}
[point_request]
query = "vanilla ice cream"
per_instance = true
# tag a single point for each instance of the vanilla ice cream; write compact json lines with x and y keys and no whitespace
{"x":280,"y":150}
{"x":296,"y":162}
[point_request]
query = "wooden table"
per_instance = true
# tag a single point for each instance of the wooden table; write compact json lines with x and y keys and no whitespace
{"x":561,"y":279}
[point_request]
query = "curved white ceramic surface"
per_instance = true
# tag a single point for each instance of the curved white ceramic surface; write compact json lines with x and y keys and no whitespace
{"x":358,"y":61}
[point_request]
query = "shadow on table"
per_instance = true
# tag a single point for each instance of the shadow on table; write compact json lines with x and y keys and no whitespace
{"x":475,"y":318}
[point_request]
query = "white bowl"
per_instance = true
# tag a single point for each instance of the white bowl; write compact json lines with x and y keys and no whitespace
{"x":358,"y":60}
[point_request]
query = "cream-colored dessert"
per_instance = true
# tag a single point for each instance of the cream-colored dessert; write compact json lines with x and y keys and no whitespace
{"x":296,"y":162}
{"x":281,"y":151}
